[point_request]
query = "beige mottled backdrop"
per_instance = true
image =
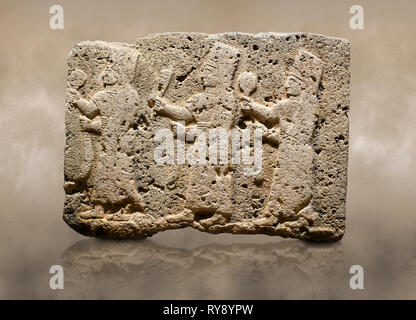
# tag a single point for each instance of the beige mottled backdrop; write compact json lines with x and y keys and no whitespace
{"x":381,"y":220}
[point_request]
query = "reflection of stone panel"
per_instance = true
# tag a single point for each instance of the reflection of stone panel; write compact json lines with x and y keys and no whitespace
{"x":292,"y":88}
{"x":143,"y":269}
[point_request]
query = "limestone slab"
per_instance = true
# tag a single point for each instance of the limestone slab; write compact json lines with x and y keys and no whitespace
{"x":141,"y":154}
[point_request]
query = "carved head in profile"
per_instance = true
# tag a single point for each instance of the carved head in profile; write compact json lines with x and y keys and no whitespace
{"x":121,"y":67}
{"x":209,"y":76}
{"x":294,"y":86}
{"x":220,"y":66}
{"x":110,"y":76}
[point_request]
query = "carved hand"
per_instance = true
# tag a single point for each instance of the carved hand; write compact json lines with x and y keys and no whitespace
{"x":74,"y":96}
{"x":262,"y":127}
{"x":245,"y":107}
{"x":85,"y":123}
{"x":160,"y":104}
{"x":273,"y":135}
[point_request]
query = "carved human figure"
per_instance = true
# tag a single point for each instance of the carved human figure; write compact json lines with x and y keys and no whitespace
{"x":209,"y":189}
{"x":291,"y":189}
{"x":76,"y":80}
{"x":110,"y":113}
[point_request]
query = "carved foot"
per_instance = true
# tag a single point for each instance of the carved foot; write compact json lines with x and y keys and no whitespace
{"x":184,"y":216}
{"x":138,"y":204}
{"x":96,"y":213}
{"x":119,"y":216}
{"x":293,"y":227}
{"x":266,"y":221}
{"x":309,"y":214}
{"x":214,"y":220}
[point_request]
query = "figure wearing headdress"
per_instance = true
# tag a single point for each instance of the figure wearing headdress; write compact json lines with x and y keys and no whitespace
{"x":209,"y":189}
{"x":291,"y":189}
{"x":108,"y":114}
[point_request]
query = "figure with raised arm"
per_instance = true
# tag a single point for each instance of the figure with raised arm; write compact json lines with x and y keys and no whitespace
{"x":208,"y":194}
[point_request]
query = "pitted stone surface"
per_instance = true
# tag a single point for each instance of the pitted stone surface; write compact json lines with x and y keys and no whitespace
{"x":293,"y":87}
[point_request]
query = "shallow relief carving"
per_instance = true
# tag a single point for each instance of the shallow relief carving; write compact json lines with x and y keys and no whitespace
{"x":287,"y":93}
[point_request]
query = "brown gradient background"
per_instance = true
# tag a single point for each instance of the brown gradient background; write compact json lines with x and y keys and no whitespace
{"x":381,"y":221}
